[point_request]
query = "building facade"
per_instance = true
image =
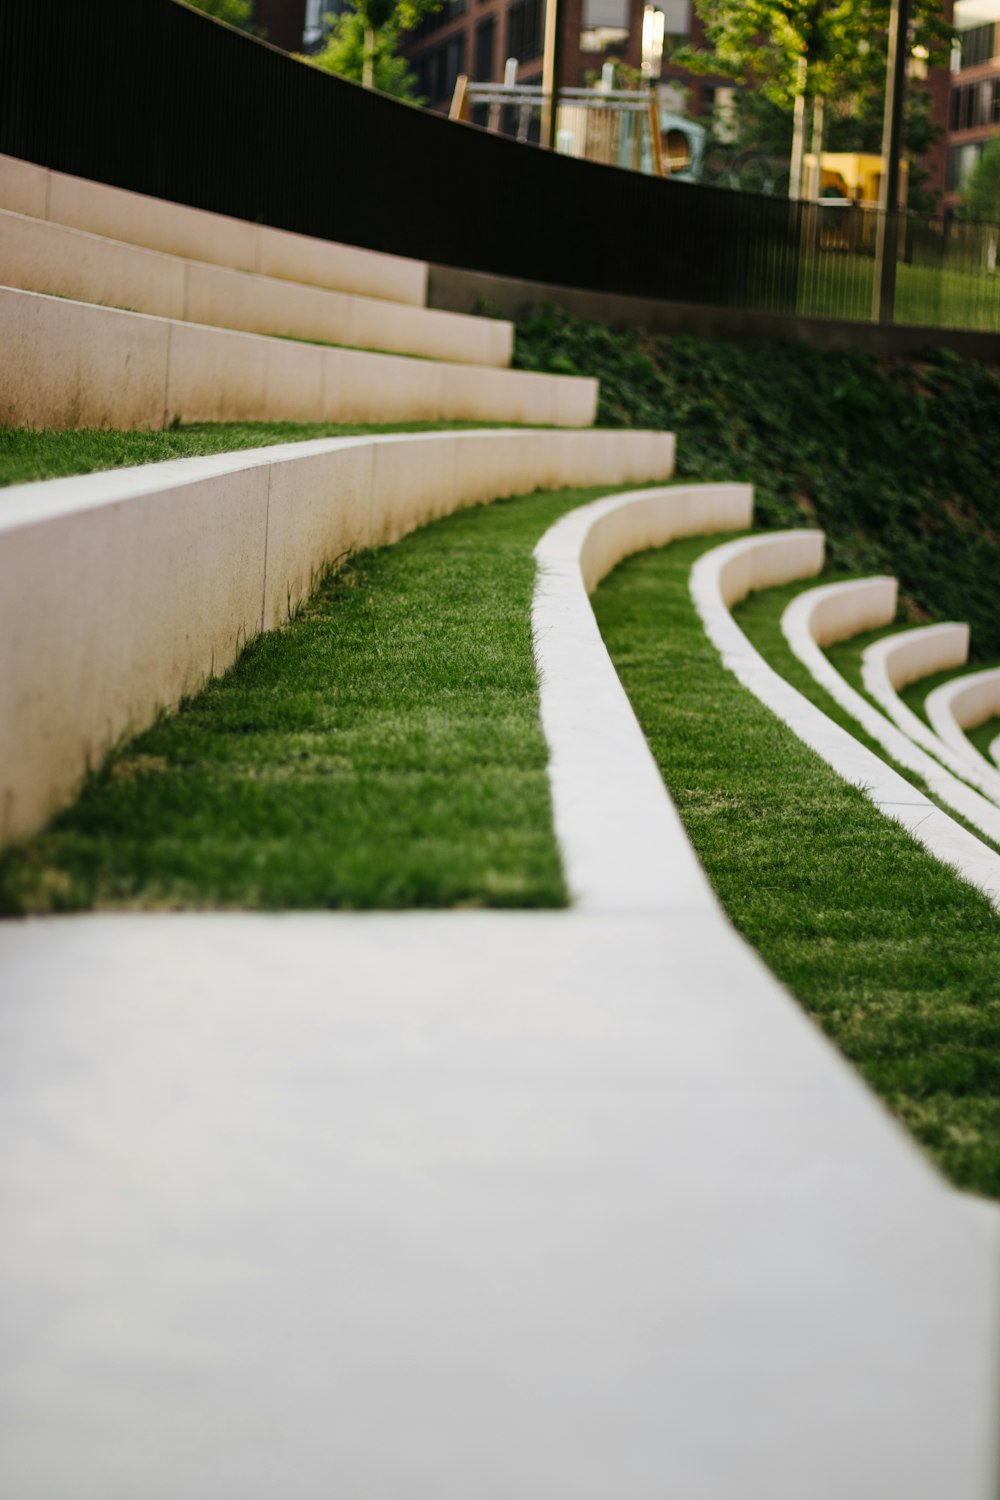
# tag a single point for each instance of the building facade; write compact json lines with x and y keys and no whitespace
{"x":478,"y":37}
{"x":974,"y":107}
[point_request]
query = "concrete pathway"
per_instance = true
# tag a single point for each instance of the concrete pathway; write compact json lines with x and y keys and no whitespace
{"x":465,"y":1206}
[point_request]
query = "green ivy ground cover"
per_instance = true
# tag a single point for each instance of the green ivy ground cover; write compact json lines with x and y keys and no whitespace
{"x":898,"y":460}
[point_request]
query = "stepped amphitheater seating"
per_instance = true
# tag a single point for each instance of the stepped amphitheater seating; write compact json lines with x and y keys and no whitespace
{"x":120,"y":311}
{"x":577,"y":1202}
{"x":897,"y":660}
{"x":964,"y":704}
{"x":838,"y":611}
{"x":725,"y":576}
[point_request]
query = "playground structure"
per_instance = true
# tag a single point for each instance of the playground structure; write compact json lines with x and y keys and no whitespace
{"x":615,"y":126}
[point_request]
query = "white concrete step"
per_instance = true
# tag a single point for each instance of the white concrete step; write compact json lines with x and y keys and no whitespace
{"x":572,"y":1205}
{"x":134,"y":218}
{"x":185,"y":560}
{"x":38,"y":256}
{"x":74,"y":364}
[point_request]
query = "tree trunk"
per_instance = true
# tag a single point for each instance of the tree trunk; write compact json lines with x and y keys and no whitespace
{"x":798,"y":132}
{"x":368,"y":65}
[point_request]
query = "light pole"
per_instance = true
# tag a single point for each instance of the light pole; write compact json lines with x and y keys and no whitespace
{"x":887,"y":229}
{"x":551,"y":61}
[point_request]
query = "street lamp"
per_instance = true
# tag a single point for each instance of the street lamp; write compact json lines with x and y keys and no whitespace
{"x":887,"y":235}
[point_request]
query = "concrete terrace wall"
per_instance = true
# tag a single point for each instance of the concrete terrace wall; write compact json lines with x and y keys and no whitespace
{"x":195,"y":234}
{"x":723,"y":577}
{"x":38,"y":256}
{"x":133,"y":587}
{"x":71,"y":364}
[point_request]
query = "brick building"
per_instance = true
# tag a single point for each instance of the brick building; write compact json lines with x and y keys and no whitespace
{"x":476,"y":37}
{"x":974,"y":109}
{"x":292,"y":25}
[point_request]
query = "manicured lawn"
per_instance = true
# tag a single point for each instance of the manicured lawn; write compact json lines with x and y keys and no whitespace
{"x":383,"y":750}
{"x":840,"y":286}
{"x":27,"y":455}
{"x":895,"y":957}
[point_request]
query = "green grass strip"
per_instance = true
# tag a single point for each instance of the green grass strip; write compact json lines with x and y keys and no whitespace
{"x":982,"y":737}
{"x":383,"y":750}
{"x":760,"y":617}
{"x":27,"y":455}
{"x":894,"y":956}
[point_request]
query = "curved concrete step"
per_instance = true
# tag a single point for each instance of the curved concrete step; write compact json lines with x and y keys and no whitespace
{"x":185,"y":560}
{"x":835,"y":612}
{"x":962,"y":704}
{"x":726,"y":575}
{"x":37,"y":256}
{"x":622,"y":842}
{"x":72,"y":364}
{"x":573,"y":1205}
{"x":905,"y":657}
{"x":196,"y":234}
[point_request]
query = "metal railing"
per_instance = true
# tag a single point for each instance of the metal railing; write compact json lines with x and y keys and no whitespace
{"x":156,"y":97}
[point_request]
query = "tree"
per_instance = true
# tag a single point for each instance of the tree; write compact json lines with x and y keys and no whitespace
{"x":234,"y":12}
{"x":361,"y":45}
{"x":795,"y":52}
{"x":981,"y":194}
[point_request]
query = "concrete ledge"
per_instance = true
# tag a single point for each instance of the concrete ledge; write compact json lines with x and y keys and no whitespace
{"x":623,"y":844}
{"x":72,"y":364}
{"x":724,"y":576}
{"x":37,"y":256}
{"x":897,"y":660}
{"x":836,"y":612}
{"x":121,"y":592}
{"x":467,"y":291}
{"x":964,"y":704}
{"x":195,"y":234}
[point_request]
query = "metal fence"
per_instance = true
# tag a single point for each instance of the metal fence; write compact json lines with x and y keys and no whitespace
{"x":152,"y":96}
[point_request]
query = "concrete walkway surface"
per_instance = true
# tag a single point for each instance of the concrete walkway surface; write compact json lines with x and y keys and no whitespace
{"x":459,"y":1205}
{"x":567,"y":1205}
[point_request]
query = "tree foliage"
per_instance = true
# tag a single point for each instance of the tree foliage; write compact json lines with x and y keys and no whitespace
{"x":763,"y":42}
{"x":363,"y":40}
{"x":981,"y":194}
{"x":345,"y":49}
{"x":234,"y":12}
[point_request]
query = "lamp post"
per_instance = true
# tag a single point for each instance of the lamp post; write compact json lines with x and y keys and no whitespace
{"x":551,"y":60}
{"x":887,"y":230}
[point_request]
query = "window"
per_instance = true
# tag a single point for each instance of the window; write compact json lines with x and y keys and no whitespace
{"x":437,"y":19}
{"x":605,"y":25}
{"x":977,"y":44}
{"x":437,"y":70}
{"x":524,"y":30}
{"x":483,"y":66}
{"x":961,"y":160}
